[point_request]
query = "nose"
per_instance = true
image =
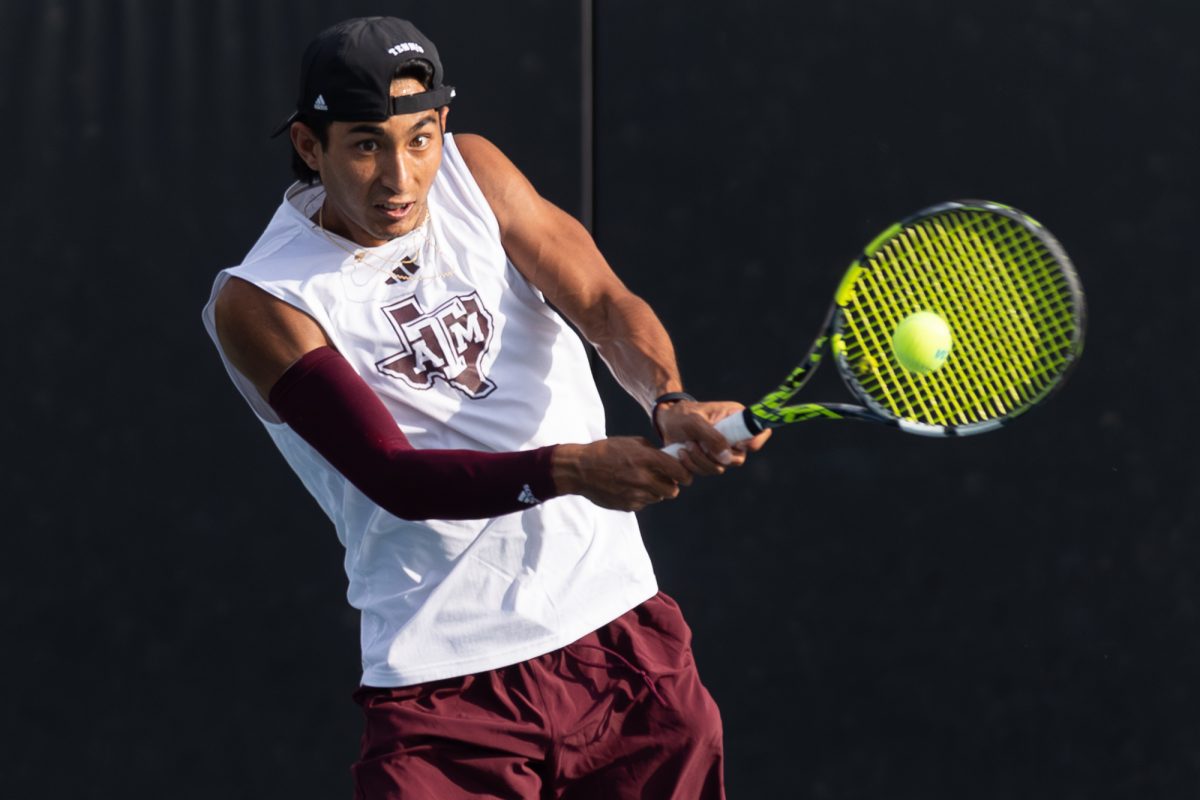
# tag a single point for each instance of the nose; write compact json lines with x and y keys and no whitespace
{"x":395,"y":171}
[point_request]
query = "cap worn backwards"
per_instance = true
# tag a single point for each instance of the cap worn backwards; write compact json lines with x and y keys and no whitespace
{"x":347,"y":71}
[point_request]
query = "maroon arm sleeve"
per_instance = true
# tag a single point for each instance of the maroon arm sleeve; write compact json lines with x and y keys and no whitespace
{"x":325,"y":401}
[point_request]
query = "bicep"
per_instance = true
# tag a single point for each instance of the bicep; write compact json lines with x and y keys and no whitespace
{"x":262,"y":335}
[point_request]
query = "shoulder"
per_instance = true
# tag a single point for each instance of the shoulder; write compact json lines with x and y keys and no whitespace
{"x":261,"y":334}
{"x":479,"y":152}
{"x":507,"y":191}
{"x":246,"y":313}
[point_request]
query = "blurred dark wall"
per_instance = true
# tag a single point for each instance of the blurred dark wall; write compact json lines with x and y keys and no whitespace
{"x":878,"y":615}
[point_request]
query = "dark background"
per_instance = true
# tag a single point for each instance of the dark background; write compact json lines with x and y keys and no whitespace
{"x":1014,"y":615}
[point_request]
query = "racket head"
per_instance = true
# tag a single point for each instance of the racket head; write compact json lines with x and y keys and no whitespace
{"x":1006,"y":288}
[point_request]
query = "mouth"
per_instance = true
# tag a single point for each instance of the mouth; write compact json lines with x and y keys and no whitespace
{"x":395,"y":211}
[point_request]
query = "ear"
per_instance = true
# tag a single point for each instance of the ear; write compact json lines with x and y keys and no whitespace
{"x":307,"y":145}
{"x":444,"y":111}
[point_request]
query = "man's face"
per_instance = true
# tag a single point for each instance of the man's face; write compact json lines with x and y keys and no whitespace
{"x":377,"y":175}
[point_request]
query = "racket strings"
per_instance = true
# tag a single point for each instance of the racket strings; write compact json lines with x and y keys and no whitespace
{"x":1001,"y":290}
{"x":883,"y":375}
{"x":893,"y":276}
{"x":948,"y":392}
{"x":980,"y":291}
{"x":1039,"y":278}
{"x":1026,"y":248}
{"x":1000,"y":302}
{"x":959,"y":395}
{"x":988,"y":383}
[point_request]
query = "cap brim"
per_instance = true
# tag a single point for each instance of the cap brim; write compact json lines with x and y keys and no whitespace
{"x":422,"y":101}
{"x":401,"y":104}
{"x":287,"y":123}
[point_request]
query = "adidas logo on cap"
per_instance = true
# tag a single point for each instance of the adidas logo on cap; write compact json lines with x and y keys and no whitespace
{"x":526,"y":496}
{"x":319,"y":103}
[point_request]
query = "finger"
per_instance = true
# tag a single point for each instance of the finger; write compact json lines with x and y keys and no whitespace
{"x":758,"y":441}
{"x":739,"y":458}
{"x":718,"y":459}
{"x":699,"y":463}
{"x":639,"y":499}
{"x":663,"y":489}
{"x":753,"y":445}
{"x":688,"y":467}
{"x":663,"y":480}
{"x":656,"y":495}
{"x":713,"y":444}
{"x":670,"y":468}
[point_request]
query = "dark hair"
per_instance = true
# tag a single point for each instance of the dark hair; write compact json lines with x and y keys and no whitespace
{"x":419,"y":69}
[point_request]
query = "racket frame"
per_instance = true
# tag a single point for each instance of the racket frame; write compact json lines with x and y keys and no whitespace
{"x":773,"y":410}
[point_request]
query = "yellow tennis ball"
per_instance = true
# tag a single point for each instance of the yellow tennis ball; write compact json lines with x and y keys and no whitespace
{"x":922,"y":342}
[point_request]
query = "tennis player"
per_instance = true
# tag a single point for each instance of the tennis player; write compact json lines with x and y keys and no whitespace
{"x":392,"y":330}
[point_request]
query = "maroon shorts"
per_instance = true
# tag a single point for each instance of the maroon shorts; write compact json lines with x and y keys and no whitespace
{"x":621,"y":713}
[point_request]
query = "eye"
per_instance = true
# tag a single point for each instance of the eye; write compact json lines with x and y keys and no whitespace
{"x":422,"y":141}
{"x":367,"y":146}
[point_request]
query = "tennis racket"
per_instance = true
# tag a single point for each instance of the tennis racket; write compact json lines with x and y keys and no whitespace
{"x":1011,"y":301}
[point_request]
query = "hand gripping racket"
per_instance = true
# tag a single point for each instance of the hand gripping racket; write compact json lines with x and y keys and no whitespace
{"x":1005,"y":289}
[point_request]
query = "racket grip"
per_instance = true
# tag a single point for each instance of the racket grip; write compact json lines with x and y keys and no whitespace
{"x":733,"y":428}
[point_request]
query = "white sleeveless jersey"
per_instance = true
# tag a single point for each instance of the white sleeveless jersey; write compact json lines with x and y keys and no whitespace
{"x":464,"y":354}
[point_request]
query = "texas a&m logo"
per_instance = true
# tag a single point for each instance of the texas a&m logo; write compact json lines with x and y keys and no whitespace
{"x":448,"y":343}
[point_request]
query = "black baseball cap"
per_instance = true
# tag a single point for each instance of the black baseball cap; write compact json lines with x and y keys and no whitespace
{"x":347,"y":71}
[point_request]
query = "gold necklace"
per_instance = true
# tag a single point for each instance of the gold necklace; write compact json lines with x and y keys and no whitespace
{"x":396,"y":269}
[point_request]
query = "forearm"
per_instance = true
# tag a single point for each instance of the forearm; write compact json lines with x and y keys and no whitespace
{"x":559,"y":257}
{"x":636,"y":348}
{"x":331,"y":408}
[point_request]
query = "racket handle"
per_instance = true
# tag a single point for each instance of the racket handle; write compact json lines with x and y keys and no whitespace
{"x":733,"y":428}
